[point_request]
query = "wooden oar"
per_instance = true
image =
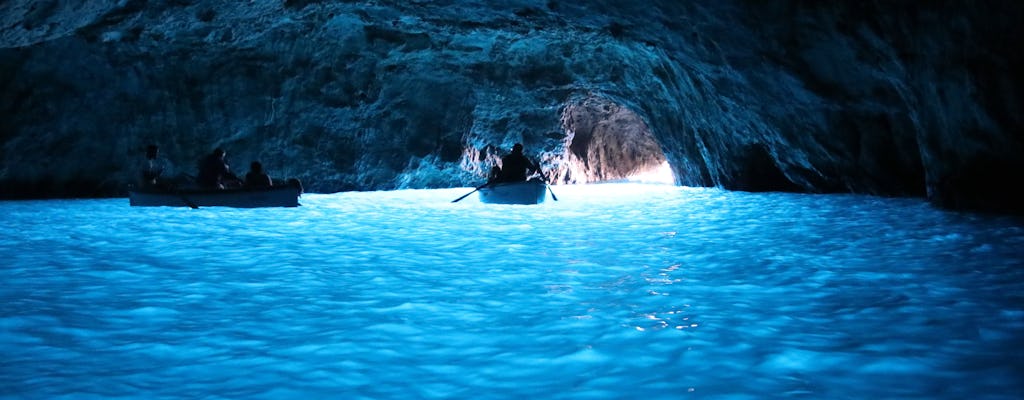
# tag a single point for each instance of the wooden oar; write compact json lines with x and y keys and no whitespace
{"x":545,"y":178}
{"x":181,"y":194}
{"x":185,"y":200}
{"x":474,"y":191}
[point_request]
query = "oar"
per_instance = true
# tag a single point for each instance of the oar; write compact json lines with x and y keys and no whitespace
{"x":180,"y":194}
{"x":186,"y":200}
{"x":545,"y":178}
{"x":474,"y":191}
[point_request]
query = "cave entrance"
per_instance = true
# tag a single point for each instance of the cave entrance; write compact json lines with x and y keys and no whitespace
{"x":607,"y":142}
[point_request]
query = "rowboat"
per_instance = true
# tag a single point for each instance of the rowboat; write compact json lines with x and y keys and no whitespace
{"x":274,"y":196}
{"x":528,"y":192}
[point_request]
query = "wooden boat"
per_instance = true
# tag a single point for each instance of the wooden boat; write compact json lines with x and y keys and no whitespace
{"x":286,"y":195}
{"x":528,"y":192}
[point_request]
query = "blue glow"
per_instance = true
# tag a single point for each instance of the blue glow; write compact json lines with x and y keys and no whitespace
{"x":614,"y":291}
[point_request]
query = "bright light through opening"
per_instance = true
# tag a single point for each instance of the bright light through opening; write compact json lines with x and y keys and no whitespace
{"x":608,"y":142}
{"x":662,"y":174}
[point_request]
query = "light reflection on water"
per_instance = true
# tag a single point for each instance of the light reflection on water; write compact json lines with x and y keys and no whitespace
{"x":614,"y":291}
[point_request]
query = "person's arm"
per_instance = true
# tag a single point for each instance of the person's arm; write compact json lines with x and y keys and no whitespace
{"x":150,"y":170}
{"x":166,"y":169}
{"x":159,"y":167}
{"x":230,"y":175}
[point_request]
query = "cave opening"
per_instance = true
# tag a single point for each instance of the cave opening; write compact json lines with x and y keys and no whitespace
{"x":607,"y":142}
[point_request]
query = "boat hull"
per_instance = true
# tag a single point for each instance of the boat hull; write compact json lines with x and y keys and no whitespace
{"x":275,"y":196}
{"x":529,"y":192}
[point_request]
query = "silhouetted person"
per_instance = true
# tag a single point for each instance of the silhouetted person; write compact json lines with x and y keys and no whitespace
{"x":214,"y":172}
{"x":152,"y":169}
{"x":495,"y":174}
{"x":256,"y":177}
{"x":515,"y":167}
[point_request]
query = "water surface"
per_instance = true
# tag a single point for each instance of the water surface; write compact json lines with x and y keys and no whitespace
{"x":614,"y":291}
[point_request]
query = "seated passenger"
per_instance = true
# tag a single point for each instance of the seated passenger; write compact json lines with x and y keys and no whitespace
{"x":495,"y":175}
{"x":152,"y":168}
{"x":214,"y":172}
{"x":256,"y":177}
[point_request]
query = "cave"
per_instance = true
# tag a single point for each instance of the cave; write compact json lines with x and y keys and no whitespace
{"x":785,"y":249}
{"x":607,"y":142}
{"x":383,"y":95}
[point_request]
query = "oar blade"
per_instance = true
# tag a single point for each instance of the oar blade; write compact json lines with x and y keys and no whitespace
{"x":553,"y":197}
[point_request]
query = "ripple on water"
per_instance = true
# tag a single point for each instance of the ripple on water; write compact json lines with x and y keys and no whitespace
{"x":614,"y":291}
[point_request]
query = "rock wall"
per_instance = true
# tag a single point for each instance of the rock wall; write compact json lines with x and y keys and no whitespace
{"x":865,"y":97}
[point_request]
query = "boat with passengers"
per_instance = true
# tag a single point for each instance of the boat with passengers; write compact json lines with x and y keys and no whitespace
{"x":286,"y":195}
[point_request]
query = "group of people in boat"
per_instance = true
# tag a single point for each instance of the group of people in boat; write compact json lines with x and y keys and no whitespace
{"x":214,"y":173}
{"x":515,"y":167}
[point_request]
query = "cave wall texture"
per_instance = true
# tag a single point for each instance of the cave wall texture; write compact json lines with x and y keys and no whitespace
{"x":875,"y":97}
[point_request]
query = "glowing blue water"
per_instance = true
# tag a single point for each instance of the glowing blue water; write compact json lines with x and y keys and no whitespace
{"x":614,"y":291}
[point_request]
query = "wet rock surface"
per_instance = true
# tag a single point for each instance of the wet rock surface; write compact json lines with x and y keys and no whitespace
{"x":885,"y":99}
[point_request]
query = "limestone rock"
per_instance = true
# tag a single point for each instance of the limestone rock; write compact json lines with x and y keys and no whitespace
{"x":821,"y":97}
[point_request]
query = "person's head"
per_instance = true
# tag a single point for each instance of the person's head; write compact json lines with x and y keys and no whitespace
{"x":255,"y":166}
{"x":218,"y":152}
{"x":152,"y":151}
{"x":517,"y":148}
